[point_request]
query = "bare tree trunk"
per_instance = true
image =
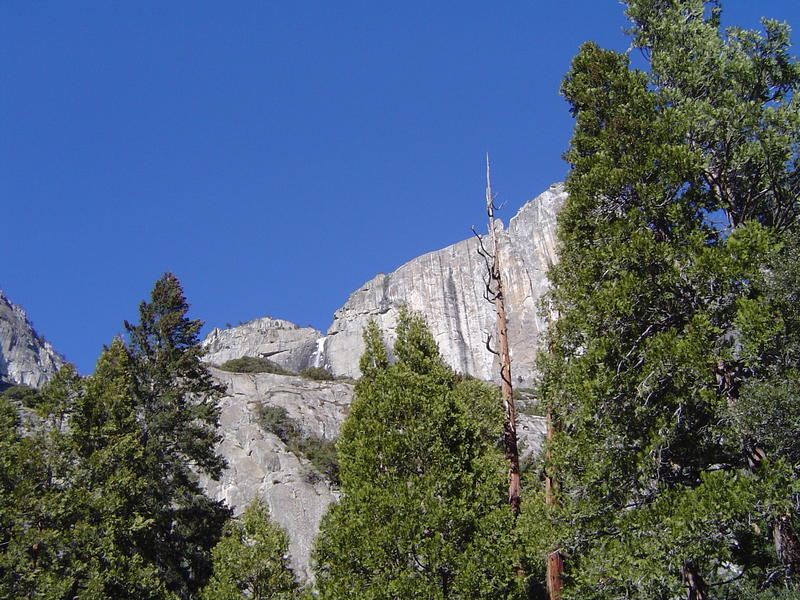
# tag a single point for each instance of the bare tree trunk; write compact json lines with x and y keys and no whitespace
{"x":495,"y":294}
{"x":555,"y":567}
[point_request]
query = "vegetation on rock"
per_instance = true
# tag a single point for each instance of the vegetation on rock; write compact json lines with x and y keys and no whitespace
{"x":27,"y":396}
{"x":253,"y":364}
{"x":319,"y":452}
{"x":317,"y":374}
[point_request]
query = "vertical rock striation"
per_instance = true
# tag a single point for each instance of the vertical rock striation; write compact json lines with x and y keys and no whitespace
{"x":447,"y":286}
{"x":25,"y":356}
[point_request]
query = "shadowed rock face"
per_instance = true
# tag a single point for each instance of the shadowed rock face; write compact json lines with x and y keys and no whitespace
{"x":25,"y":357}
{"x":447,"y":286}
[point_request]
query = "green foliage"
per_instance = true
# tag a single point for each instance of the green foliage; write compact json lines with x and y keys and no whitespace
{"x":178,"y":413}
{"x":253,"y":364}
{"x":99,"y":499}
{"x":27,"y":396}
{"x":317,"y":374}
{"x":77,"y":513}
{"x":276,"y":419}
{"x":250,"y":560}
{"x":319,"y":452}
{"x":673,"y":355}
{"x":424,"y":512}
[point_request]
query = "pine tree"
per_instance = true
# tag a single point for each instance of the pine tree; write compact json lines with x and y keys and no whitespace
{"x":683,"y":185}
{"x":424,"y":512}
{"x":40,"y":554}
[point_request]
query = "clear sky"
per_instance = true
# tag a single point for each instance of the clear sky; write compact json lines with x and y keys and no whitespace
{"x":273,"y":155}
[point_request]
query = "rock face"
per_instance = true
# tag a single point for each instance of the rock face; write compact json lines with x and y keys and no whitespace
{"x":25,"y":357}
{"x":285,"y":343}
{"x":447,"y":286}
{"x":259,"y":464}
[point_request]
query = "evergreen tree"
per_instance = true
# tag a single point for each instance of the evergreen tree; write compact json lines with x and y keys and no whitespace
{"x":683,"y":186}
{"x":102,"y":501}
{"x":423,"y":512}
{"x":20,"y":478}
{"x":249,"y":560}
{"x":40,"y":557}
{"x":177,"y":413}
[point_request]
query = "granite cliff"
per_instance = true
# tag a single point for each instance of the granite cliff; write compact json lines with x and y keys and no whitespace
{"x":260,"y":464}
{"x":25,"y":356}
{"x":447,"y":286}
{"x":289,"y":345}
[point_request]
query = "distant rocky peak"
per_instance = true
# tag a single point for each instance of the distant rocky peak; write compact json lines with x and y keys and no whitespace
{"x":25,"y":356}
{"x":292,"y":347}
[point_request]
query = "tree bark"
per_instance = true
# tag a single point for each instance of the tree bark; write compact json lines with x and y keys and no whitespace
{"x":697,"y":588}
{"x":787,"y":545}
{"x":555,"y":562}
{"x":555,"y":567}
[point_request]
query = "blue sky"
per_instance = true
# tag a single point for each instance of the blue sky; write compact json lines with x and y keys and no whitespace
{"x":273,"y":155}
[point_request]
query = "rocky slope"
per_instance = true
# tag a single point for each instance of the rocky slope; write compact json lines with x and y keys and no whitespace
{"x":25,"y":356}
{"x":260,"y":464}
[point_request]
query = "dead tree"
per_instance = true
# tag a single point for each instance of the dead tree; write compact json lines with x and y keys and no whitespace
{"x":494,"y":294}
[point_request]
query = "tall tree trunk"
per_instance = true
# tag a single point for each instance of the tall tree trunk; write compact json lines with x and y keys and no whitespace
{"x":696,"y":585}
{"x":495,"y":294}
{"x":555,"y":562}
{"x":787,"y":545}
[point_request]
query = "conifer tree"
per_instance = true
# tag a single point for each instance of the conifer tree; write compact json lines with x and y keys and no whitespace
{"x":249,"y":560}
{"x":424,"y":512}
{"x":178,"y":413}
{"x":103,"y":500}
{"x":80,"y":509}
{"x":683,"y":186}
